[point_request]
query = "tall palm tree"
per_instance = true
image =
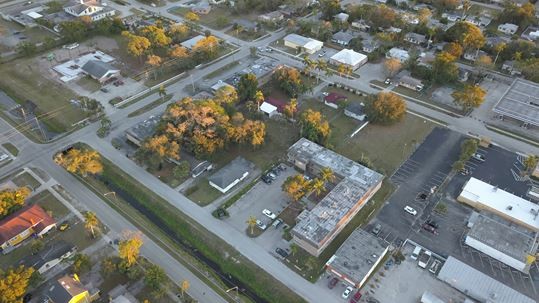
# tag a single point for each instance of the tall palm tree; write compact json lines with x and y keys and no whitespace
{"x":309,"y":64}
{"x":317,"y":186}
{"x":321,"y":65}
{"x":91,"y":222}
{"x":326,"y":174}
{"x":251,"y":222}
{"x":294,"y":249}
{"x":184,"y":286}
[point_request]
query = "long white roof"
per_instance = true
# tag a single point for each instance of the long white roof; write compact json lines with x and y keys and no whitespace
{"x":501,"y":201}
{"x":348,"y":56}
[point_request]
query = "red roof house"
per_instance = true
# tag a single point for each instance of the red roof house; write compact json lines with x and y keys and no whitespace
{"x":28,"y":221}
{"x":280,"y":104}
{"x":333,"y":99}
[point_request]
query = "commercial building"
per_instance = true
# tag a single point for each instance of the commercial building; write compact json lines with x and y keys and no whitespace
{"x":477,"y":285}
{"x":99,"y":70}
{"x":143,"y":130}
{"x":92,"y":8}
{"x":349,"y":58}
{"x":520,"y":102}
{"x":358,"y":256}
{"x":24,"y":223}
{"x":231,"y":174}
{"x":316,"y":228}
{"x":504,"y":241}
{"x":301,"y":43}
{"x":484,"y":196}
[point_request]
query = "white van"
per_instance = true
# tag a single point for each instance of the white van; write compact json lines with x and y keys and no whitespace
{"x":415,"y":253}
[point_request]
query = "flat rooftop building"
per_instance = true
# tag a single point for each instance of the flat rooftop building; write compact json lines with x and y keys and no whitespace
{"x":143,"y":130}
{"x":316,"y":228}
{"x":481,"y":195}
{"x":477,"y":285}
{"x":520,"y":102}
{"x":504,"y":241}
{"x":357,"y":257}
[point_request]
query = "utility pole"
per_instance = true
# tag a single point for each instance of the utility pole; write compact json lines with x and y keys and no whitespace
{"x":192,"y":83}
{"x":40,"y":129}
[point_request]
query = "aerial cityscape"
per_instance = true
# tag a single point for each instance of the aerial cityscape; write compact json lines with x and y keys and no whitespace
{"x":260,"y":151}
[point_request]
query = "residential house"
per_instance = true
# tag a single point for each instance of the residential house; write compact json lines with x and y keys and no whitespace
{"x":342,"y":17}
{"x":360,"y":25}
{"x":272,"y":17}
{"x":334,"y":99}
{"x":421,"y":6}
{"x":231,"y":174}
{"x":531,"y":33}
{"x":398,"y":53}
{"x":426,"y":59}
{"x":415,"y":38}
{"x":24,"y":223}
{"x":92,"y":8}
{"x":99,"y":70}
{"x":220,"y":84}
{"x":355,"y":111}
{"x":395,"y":30}
{"x":269,"y":109}
{"x":511,"y":67}
{"x":495,"y":40}
{"x":301,"y":43}
{"x":381,"y":1}
{"x":402,"y":3}
{"x":202,"y":8}
{"x":246,"y":25}
{"x":49,"y":256}
{"x":508,"y":28}
{"x":370,"y":45}
{"x":68,"y":290}
{"x":451,"y":17}
{"x":142,"y":130}
{"x":411,"y":83}
{"x":349,"y":58}
{"x":189,"y":44}
{"x":472,"y":55}
{"x":279,"y":103}
{"x":479,"y":20}
{"x":342,"y":38}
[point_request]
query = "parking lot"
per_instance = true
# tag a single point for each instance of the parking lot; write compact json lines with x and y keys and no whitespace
{"x":417,"y":179}
{"x":406,"y":283}
{"x":263,"y":196}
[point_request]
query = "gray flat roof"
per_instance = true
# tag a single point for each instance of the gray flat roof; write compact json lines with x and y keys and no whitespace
{"x":357,"y":255}
{"x":144,"y":129}
{"x":297,"y":39}
{"x":477,"y":285}
{"x":504,"y":236}
{"x":231,"y":172}
{"x":520,"y":102}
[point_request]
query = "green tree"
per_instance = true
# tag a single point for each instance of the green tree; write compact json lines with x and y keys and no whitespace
{"x":162,"y":92}
{"x":530,"y":163}
{"x":185,"y":285}
{"x":289,"y":80}
{"x":314,"y":126}
{"x":74,"y":30}
{"x":81,"y":264}
{"x":36,"y":245}
{"x":318,"y":186}
{"x":294,"y":248}
{"x":247,"y":87}
{"x":26,"y":48}
{"x":385,"y":108}
{"x":444,"y":68}
{"x":129,"y":249}
{"x":80,"y":161}
{"x":327,"y":174}
{"x":12,"y":199}
{"x":471,"y":96}
{"x":155,"y":278}
{"x":108,"y":266}
{"x":181,"y":170}
{"x":467,"y":149}
{"x":329,"y":8}
{"x":14,"y":284}
{"x":296,"y":187}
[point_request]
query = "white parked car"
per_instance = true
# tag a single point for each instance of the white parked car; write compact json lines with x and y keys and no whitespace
{"x":479,"y":157}
{"x":261,"y":225}
{"x":347,"y":292}
{"x":410,"y":210}
{"x":269,"y":214}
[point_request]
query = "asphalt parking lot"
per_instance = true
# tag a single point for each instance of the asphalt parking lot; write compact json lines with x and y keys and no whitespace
{"x":422,"y":173}
{"x":263,"y":196}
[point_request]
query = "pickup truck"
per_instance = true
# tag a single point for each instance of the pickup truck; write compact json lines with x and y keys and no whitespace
{"x":424,"y":259}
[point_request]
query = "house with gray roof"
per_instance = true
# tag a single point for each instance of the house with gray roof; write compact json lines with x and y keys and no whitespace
{"x":231,"y":174}
{"x":99,"y":70}
{"x":342,"y":38}
{"x":189,"y":44}
{"x":68,"y":289}
{"x":92,"y":8}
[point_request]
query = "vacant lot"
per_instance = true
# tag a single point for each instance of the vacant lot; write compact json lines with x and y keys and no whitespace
{"x":25,"y":179}
{"x":49,"y":203}
{"x":13,"y":34}
{"x":28,"y":81}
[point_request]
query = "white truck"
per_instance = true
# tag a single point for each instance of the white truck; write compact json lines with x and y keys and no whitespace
{"x":424,"y":259}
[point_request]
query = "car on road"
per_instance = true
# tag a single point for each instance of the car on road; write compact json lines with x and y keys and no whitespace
{"x":410,"y":210}
{"x":479,"y":157}
{"x":432,"y":223}
{"x":377,"y":228}
{"x":272,"y":175}
{"x":268,"y":213}
{"x":260,"y":49}
{"x":261,"y":225}
{"x":281,"y":252}
{"x":434,"y":267}
{"x":387,"y":82}
{"x":355,"y":298}
{"x":266,"y":179}
{"x":332,"y":283}
{"x":347,"y":292}
{"x":430,"y":229}
{"x":104,"y":89}
{"x":269,"y":49}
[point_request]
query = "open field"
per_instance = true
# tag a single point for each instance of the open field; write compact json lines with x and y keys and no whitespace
{"x":25,"y":179}
{"x":202,"y":193}
{"x":26,"y":82}
{"x":49,"y":203}
{"x":166,"y":174}
{"x":11,"y":148}
{"x":9,"y":40}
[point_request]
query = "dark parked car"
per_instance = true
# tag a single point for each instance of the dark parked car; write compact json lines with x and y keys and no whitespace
{"x":432,"y":223}
{"x":376,"y":230}
{"x":333,"y":282}
{"x":27,"y":298}
{"x":356,"y":297}
{"x":266,"y":179}
{"x":281,"y":252}
{"x":430,"y":229}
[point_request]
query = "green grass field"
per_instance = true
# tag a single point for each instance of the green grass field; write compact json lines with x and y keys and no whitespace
{"x":204,"y":193}
{"x":49,"y":203}
{"x":25,"y":179}
{"x":11,"y":149}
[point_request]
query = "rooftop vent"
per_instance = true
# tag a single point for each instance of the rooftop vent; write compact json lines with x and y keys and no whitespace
{"x":509,"y":207}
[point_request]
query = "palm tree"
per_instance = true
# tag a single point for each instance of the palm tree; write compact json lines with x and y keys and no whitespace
{"x":341,"y":69}
{"x":498,"y":49}
{"x":184,"y":286}
{"x":259,"y":98}
{"x":294,"y":249}
{"x":309,"y":64}
{"x":326,"y":174}
{"x":251,"y":222}
{"x":321,"y":65}
{"x":162,"y":92}
{"x":530,"y":163}
{"x":91,"y":222}
{"x":317,"y":186}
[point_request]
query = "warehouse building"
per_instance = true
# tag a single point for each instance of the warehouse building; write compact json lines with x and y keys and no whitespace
{"x":301,"y":43}
{"x":520,"y":102}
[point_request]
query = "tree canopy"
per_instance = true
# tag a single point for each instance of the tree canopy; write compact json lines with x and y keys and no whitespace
{"x":386,"y":108}
{"x":471,"y":96}
{"x":14,"y":283}
{"x":296,"y":187}
{"x":129,"y":249}
{"x":12,"y":199}
{"x":247,"y":87}
{"x":80,"y":161}
{"x":289,"y":80}
{"x":315,"y":127}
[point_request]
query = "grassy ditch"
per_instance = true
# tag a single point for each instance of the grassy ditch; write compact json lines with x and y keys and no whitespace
{"x":192,"y":237}
{"x":149,"y":106}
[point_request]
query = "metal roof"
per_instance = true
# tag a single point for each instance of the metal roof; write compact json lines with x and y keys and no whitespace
{"x":520,"y":102}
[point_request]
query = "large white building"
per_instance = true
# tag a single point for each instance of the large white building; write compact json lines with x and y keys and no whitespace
{"x":93,"y":8}
{"x":298,"y":42}
{"x":348,"y":57}
{"x":484,"y":196}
